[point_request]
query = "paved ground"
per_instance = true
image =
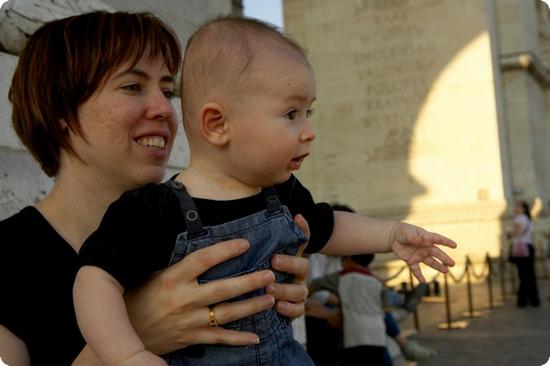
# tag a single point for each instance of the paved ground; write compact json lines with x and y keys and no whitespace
{"x":503,"y":336}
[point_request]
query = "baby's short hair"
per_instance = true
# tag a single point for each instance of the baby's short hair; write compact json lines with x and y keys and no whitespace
{"x":220,"y":53}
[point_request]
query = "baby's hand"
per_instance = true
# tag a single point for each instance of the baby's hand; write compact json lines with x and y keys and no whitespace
{"x":415,"y":245}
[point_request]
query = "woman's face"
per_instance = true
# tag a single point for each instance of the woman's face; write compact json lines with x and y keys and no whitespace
{"x":128,"y":125}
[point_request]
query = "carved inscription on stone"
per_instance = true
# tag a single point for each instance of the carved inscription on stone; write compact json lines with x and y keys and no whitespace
{"x":392,"y":72}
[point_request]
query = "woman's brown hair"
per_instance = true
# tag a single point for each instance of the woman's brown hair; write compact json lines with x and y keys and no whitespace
{"x":66,"y":61}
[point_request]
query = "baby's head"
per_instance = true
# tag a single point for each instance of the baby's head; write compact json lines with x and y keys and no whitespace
{"x":247,"y":92}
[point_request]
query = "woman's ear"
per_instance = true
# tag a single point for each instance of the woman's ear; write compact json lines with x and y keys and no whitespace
{"x":213,"y":124}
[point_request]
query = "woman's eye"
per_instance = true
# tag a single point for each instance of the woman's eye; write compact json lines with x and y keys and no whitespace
{"x":309,"y":113}
{"x":291,"y":115}
{"x":132,"y":87}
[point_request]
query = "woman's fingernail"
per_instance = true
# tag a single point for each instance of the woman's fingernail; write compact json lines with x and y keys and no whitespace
{"x":269,"y":276}
{"x":243,"y":245}
{"x":276,"y":262}
{"x":256,"y":340}
{"x":269,"y":300}
{"x":270,"y":289}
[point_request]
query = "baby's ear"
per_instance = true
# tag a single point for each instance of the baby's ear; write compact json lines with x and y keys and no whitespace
{"x":214,"y":124}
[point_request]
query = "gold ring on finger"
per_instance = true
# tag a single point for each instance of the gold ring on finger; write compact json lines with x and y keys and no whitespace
{"x":212,"y":317}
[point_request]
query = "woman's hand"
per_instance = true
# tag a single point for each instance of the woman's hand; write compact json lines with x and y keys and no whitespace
{"x":170,"y":311}
{"x":291,"y":297}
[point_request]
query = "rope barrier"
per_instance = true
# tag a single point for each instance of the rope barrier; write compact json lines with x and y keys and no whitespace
{"x":489,"y":281}
{"x":471,"y":313}
{"x":396,"y":274}
{"x":460,"y":278}
{"x":488,"y":270}
{"x":491,"y":268}
{"x":484,"y":270}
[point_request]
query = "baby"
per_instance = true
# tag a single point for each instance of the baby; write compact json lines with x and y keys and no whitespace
{"x":247,"y":95}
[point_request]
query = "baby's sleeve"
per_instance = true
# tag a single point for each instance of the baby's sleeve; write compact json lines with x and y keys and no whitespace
{"x":126,"y":244}
{"x":319,"y":216}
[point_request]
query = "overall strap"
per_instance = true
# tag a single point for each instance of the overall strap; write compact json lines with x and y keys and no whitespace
{"x":272,"y":202}
{"x":188,"y":208}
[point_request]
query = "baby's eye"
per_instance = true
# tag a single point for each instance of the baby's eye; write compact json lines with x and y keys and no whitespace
{"x":135,"y":87}
{"x":309,"y":113}
{"x":291,"y":115}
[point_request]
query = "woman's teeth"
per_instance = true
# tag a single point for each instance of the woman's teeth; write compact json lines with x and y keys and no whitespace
{"x":152,"y":141}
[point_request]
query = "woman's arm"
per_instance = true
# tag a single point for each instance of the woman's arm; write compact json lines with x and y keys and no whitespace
{"x":13,"y":350}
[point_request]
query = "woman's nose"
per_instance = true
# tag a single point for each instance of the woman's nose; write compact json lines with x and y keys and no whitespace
{"x":160,"y":106}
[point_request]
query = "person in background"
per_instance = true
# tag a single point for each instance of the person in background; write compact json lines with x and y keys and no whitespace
{"x":323,"y":315}
{"x":362,"y":304}
{"x":522,"y":234}
{"x":324,"y":320}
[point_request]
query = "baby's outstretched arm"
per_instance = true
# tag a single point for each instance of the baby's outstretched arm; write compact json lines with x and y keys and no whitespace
{"x":104,"y":323}
{"x":355,"y":234}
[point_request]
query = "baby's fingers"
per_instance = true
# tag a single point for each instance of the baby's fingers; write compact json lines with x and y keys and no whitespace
{"x":434,"y":238}
{"x":415,"y":270}
{"x":442,"y":256}
{"x":435,"y":264}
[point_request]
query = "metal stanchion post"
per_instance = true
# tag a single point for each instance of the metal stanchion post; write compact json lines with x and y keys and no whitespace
{"x":415,"y":312}
{"x":471,"y":313}
{"x":492,"y":304}
{"x":489,"y":281}
{"x":502,"y":279}
{"x":449,"y":325}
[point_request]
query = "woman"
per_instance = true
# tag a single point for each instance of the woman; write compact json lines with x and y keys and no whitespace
{"x":523,"y":232}
{"x":91,"y":101}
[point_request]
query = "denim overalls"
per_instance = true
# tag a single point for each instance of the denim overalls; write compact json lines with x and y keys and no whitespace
{"x":269,"y":232}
